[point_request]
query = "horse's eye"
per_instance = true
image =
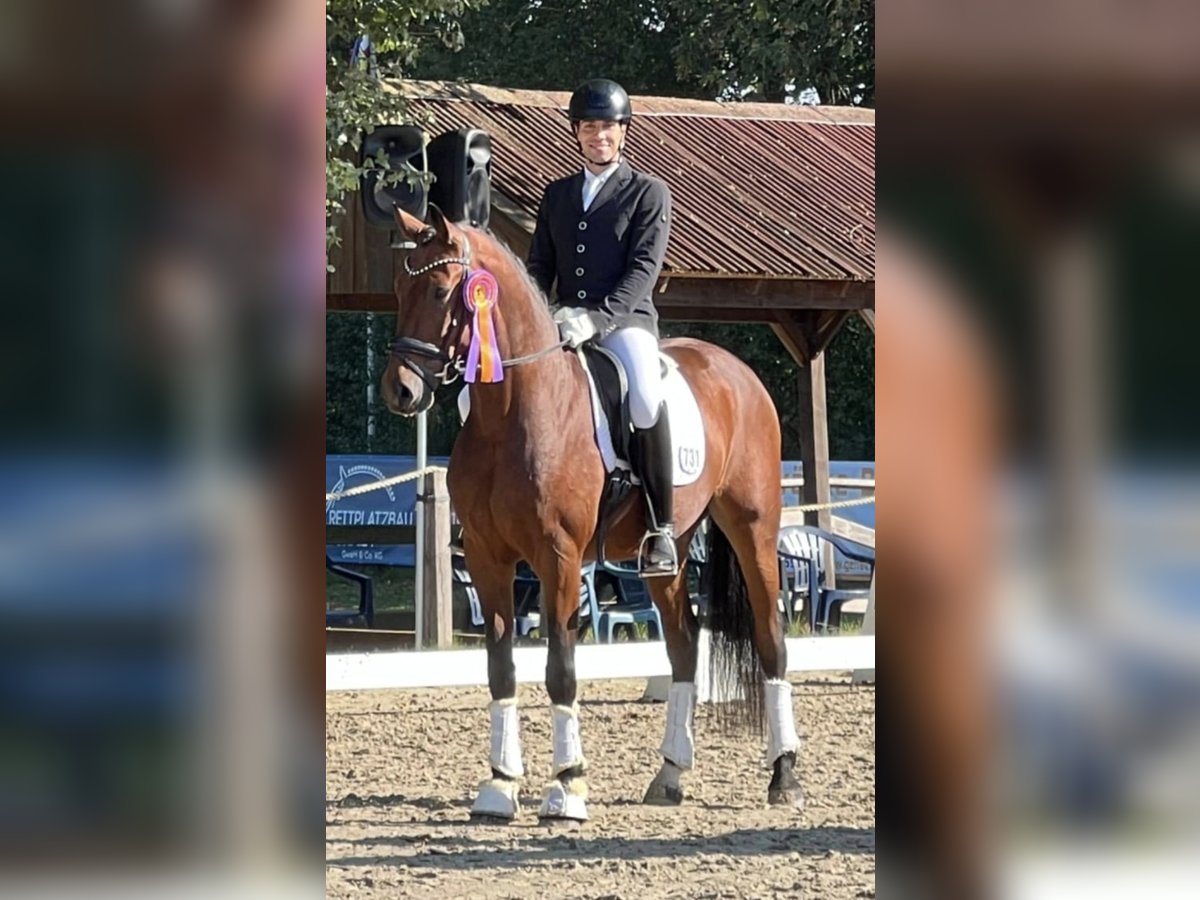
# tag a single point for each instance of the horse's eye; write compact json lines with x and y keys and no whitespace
{"x":441,"y":292}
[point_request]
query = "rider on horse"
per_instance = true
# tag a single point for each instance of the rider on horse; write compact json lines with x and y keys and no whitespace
{"x":603,"y":233}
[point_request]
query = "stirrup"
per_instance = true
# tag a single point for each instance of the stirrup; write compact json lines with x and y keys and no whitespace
{"x":658,"y":569}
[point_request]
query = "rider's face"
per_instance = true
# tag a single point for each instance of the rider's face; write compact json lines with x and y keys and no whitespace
{"x":601,"y":140}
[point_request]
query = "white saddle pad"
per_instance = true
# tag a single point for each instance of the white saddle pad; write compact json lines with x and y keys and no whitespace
{"x":687,"y":427}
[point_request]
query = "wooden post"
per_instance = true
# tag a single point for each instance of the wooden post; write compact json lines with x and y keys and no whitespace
{"x":814,"y":450}
{"x":438,"y":621}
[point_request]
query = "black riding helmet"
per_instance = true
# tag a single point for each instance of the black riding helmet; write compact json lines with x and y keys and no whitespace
{"x":600,"y":98}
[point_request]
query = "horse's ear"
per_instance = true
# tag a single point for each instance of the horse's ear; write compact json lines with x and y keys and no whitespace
{"x":438,"y":220}
{"x":409,"y":224}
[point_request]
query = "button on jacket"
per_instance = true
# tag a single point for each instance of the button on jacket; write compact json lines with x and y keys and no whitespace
{"x":608,"y":258}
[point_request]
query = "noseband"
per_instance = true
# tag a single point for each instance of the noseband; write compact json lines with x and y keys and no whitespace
{"x":452,"y":362}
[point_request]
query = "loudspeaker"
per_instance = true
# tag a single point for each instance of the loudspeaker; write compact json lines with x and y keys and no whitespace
{"x":461,"y":161}
{"x":405,"y":149}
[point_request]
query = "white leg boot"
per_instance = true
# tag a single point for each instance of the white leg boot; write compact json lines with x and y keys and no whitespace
{"x":569,"y":800}
{"x":678,"y":746}
{"x":781,"y":720}
{"x":785,"y":788}
{"x":498,"y":796}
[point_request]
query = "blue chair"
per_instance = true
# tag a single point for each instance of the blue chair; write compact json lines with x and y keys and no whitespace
{"x":366,"y":597}
{"x":527,"y":592}
{"x":633,"y":605}
{"x":802,"y":574}
{"x":697,"y":559}
{"x":458,"y":569}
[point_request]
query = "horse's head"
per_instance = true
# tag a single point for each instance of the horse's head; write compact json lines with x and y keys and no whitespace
{"x":429,"y":326}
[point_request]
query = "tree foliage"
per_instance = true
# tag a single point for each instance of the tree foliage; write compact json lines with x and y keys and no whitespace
{"x":356,"y":95}
{"x":773,"y":49}
{"x":349,"y":417}
{"x":727,"y":49}
{"x":555,"y":45}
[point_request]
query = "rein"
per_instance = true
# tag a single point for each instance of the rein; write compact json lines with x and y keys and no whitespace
{"x":453,"y":364}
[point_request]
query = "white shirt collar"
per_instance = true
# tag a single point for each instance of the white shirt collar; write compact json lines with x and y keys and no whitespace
{"x":588,"y":177}
{"x":593,"y":183}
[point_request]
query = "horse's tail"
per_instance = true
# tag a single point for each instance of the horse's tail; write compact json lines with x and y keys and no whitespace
{"x":734,"y":670}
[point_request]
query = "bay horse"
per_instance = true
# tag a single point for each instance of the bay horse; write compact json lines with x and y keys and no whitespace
{"x":525,"y":478}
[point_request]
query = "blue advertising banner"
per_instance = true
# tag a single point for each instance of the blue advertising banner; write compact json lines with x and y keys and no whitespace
{"x":395,"y":505}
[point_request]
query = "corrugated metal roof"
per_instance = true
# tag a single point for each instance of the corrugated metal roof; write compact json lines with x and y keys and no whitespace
{"x":759,"y":190}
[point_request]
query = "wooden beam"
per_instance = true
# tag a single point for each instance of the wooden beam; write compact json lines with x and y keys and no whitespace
{"x":853,"y":531}
{"x":793,"y":338}
{"x":764,"y":293}
{"x":364,"y":302}
{"x":806,"y":333}
{"x":684,"y":313}
{"x":829,"y":324}
{"x":679,"y":303}
{"x":814,"y":447}
{"x":868,"y":316}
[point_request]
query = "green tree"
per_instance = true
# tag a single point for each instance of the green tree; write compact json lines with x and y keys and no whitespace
{"x":729,"y":49}
{"x":350,"y":418}
{"x":357,"y":97}
{"x":773,"y":49}
{"x":553,"y":46}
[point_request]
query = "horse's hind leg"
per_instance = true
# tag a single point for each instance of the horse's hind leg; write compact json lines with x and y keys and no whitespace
{"x":753,"y":533}
{"x":681,"y":633}
{"x":493,"y":580}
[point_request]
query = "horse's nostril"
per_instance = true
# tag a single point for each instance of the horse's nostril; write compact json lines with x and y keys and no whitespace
{"x":403,"y":394}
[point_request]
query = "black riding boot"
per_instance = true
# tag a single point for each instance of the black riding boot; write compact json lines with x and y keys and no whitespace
{"x":655,"y":466}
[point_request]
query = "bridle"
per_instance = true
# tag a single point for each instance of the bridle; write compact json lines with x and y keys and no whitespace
{"x":453,"y":362}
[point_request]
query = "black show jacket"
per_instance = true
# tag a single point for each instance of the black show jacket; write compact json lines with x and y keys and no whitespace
{"x":607,"y":259}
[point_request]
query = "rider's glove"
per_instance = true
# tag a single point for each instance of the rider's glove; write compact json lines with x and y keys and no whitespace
{"x":575,"y":325}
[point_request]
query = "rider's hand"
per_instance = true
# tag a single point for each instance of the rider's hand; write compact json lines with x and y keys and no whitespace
{"x":575,"y":326}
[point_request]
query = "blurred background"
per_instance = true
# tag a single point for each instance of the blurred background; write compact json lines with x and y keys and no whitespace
{"x":161,"y":694}
{"x":1039,"y":194}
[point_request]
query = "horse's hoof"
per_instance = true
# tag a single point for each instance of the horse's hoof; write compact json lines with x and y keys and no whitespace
{"x":786,"y":796}
{"x":497,"y":799}
{"x":664,"y":790}
{"x":565,"y":801}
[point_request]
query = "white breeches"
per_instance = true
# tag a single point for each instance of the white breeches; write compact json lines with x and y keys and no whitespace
{"x":638,"y":351}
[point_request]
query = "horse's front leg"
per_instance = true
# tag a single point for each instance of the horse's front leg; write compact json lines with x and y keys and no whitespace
{"x":565,"y":796}
{"x":497,"y":795}
{"x":681,"y":634}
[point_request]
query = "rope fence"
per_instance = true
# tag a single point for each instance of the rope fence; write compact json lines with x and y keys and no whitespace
{"x":380,"y":485}
{"x":835,"y":504}
{"x":420,"y":473}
